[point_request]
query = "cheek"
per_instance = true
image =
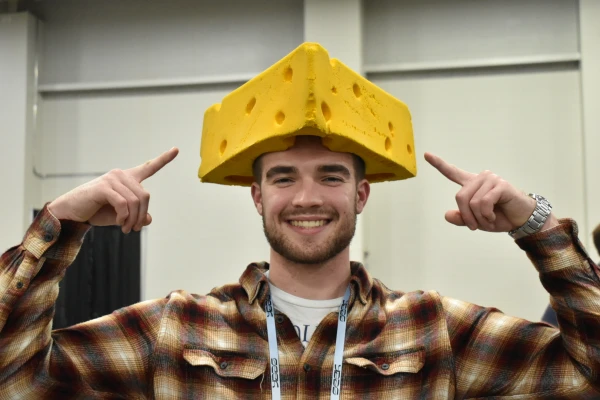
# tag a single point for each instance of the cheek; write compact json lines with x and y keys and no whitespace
{"x":346,"y":199}
{"x":343,"y":202}
{"x":273,"y":204}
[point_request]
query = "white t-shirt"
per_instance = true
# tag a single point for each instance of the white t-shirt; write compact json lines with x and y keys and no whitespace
{"x":305,"y":314}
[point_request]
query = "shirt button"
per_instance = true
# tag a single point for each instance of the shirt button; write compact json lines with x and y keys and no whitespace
{"x":385,"y":367}
{"x":20,"y":285}
{"x":279,"y":319}
{"x":224,"y":365}
{"x":306,"y":367}
{"x":48,"y":237}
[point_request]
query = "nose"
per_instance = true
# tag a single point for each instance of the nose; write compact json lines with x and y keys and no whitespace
{"x":307,"y":195}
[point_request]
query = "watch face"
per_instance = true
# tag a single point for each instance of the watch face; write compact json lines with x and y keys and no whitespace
{"x":542,"y":199}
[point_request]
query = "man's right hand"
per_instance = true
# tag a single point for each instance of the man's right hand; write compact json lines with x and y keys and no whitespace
{"x":115,"y":198}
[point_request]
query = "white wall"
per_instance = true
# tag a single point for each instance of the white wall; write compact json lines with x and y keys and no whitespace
{"x":122,"y":81}
{"x":512,"y":124}
{"x":434,"y":31}
{"x":589,"y":32}
{"x":491,"y":85}
{"x":20,"y":190}
{"x":89,"y":41}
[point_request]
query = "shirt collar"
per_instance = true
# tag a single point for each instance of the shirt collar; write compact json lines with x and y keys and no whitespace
{"x":256,"y":285}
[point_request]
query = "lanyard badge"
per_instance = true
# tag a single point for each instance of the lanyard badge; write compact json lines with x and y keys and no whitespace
{"x":274,"y":367}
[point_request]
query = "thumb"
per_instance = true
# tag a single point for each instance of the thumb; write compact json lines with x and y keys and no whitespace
{"x":454,"y":217}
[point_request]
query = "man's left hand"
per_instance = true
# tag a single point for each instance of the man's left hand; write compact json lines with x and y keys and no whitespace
{"x":486,"y":201}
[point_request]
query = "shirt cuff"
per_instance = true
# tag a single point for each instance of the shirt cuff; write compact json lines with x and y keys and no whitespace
{"x":556,"y":248}
{"x":54,"y":239}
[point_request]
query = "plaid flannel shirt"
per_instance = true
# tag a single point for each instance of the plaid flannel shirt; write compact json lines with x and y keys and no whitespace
{"x":415,"y":345}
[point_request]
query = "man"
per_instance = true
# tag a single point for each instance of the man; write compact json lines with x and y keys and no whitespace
{"x":308,"y":136}
{"x":397,"y":345}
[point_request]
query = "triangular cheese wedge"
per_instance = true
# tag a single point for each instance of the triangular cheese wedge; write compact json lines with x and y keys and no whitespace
{"x":307,"y":93}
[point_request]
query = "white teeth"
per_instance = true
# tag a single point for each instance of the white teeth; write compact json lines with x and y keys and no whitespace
{"x":308,"y":224}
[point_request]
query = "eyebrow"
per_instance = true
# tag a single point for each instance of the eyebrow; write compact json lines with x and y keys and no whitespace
{"x":326,"y":168}
{"x":280,"y":170}
{"x":335,"y":168}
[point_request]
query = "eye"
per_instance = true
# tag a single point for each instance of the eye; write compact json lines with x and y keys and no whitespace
{"x":282,"y":181}
{"x":333,"y":179}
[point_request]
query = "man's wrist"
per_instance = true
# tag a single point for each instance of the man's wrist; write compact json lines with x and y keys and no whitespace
{"x":550,"y":223}
{"x":537,"y":220}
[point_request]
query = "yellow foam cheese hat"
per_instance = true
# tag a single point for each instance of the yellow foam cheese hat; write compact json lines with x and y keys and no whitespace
{"x":307,"y":93}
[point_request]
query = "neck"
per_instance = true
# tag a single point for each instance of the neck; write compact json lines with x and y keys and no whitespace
{"x":311,"y":281}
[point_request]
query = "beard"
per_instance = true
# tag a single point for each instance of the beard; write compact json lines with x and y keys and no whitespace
{"x":312,"y":251}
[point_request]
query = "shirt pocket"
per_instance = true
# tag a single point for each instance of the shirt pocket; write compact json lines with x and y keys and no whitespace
{"x":408,"y":361}
{"x":226,"y":364}
{"x":394,"y":375}
{"x":224,"y":374}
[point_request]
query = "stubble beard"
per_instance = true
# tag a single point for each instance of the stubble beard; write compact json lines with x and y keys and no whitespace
{"x":311,"y":252}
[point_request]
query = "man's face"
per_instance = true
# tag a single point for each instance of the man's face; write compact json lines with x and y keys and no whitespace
{"x":309,"y":198}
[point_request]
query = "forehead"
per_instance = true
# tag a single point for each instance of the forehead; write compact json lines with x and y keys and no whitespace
{"x":307,"y":151}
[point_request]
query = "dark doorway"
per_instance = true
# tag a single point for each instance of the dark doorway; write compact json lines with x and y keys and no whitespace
{"x":104,"y":277}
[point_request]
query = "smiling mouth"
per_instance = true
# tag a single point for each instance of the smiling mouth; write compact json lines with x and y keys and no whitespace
{"x":309,"y":224}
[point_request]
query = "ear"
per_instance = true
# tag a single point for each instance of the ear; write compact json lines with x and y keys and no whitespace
{"x":363,"y":190}
{"x":257,"y":197}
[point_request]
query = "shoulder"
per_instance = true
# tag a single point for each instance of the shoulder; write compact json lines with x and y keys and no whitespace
{"x":380,"y":292}
{"x":217,"y":297}
{"x":418,"y":307}
{"x":201,"y":321}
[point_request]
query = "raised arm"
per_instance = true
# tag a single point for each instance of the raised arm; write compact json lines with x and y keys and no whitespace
{"x":498,"y":355}
{"x":106,"y":357}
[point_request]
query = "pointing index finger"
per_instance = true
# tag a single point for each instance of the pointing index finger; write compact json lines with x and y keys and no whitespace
{"x":149,"y":168}
{"x":450,"y":171}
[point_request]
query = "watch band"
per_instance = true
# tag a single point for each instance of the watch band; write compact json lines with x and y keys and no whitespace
{"x":536,"y":220}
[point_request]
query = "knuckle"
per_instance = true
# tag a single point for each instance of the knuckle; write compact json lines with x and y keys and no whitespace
{"x":116,"y":173}
{"x":107,"y":179}
{"x":104,"y":185}
{"x":475,"y":203}
{"x":489,"y":175}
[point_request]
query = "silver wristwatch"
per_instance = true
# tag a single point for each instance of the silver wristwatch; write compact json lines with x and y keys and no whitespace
{"x":536,"y":220}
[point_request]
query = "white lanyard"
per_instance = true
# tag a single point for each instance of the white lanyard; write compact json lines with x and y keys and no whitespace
{"x":336,"y":376}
